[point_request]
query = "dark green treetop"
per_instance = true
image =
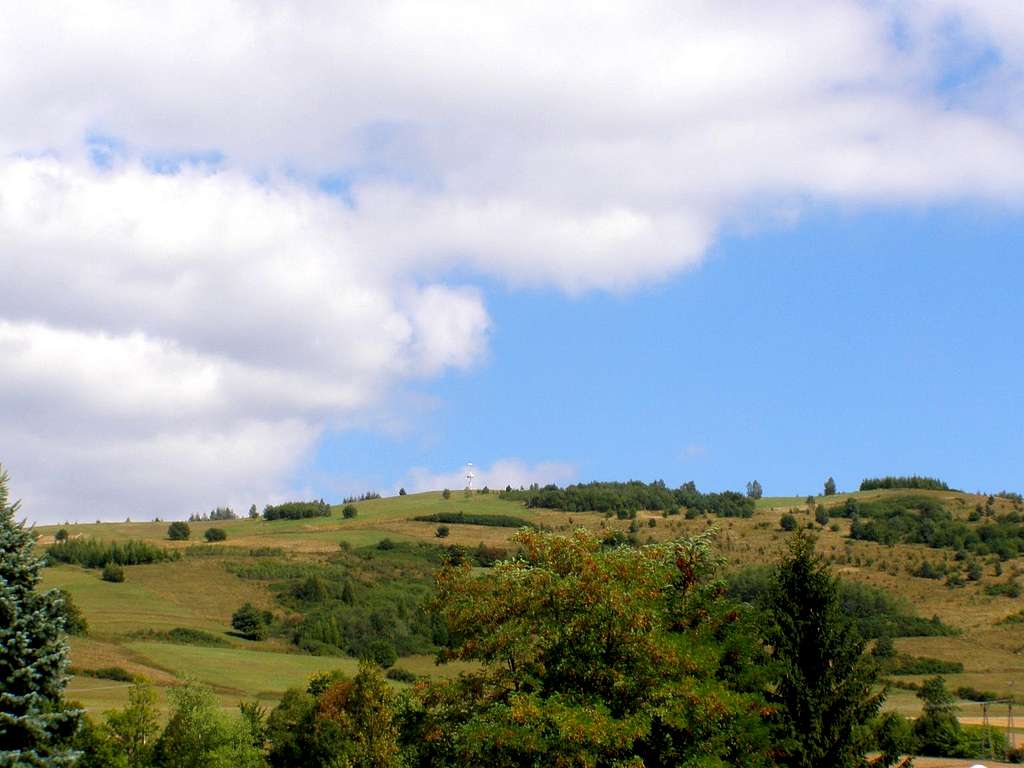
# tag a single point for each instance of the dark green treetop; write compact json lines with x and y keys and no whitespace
{"x":34,"y":723}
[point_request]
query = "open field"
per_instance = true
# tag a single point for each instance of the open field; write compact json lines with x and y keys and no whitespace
{"x":198,"y":591}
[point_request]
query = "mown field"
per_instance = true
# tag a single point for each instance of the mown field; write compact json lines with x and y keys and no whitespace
{"x":199,"y":591}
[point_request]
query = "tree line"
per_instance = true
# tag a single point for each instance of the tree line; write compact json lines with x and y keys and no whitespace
{"x":631,"y":497}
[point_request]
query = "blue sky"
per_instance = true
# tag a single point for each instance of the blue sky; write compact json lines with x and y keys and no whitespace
{"x":253,"y":253}
{"x":850,"y":345}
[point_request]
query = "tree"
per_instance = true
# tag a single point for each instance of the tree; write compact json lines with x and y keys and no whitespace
{"x":594,"y":656}
{"x":113,"y":572}
{"x":830,"y":487}
{"x":134,"y":728}
{"x":446,"y":494}
{"x":349,"y":511}
{"x":248,"y":622}
{"x":178,"y":531}
{"x":253,"y":512}
{"x":35,"y":724}
{"x":937,"y":730}
{"x":198,"y":735}
{"x":74,"y":620}
{"x":215,"y":534}
{"x":754,"y":490}
{"x":788,"y":523}
{"x":824,"y":694}
{"x":821,"y":515}
{"x":61,"y":535}
{"x":401,"y":491}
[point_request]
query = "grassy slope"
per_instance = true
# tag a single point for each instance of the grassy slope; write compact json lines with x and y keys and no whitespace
{"x":198,"y":592}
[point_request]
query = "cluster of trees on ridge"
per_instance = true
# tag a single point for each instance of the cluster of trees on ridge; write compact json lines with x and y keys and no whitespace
{"x":617,"y":498}
{"x":296,"y":510}
{"x":914,"y":482}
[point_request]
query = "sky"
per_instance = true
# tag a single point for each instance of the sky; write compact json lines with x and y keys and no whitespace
{"x":260,"y":251}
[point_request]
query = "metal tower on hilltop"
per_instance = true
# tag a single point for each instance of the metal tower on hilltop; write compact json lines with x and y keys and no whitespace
{"x":469,"y":476}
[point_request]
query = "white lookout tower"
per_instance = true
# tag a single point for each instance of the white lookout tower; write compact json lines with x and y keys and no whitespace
{"x":469,"y":476}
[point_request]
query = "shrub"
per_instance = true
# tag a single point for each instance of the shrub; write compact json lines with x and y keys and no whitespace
{"x":349,"y":511}
{"x":401,"y":675}
{"x":118,"y":674}
{"x":1009,"y":588}
{"x":61,"y":535}
{"x":248,"y":622}
{"x":401,"y":491}
{"x":113,"y":572}
{"x":178,"y":531}
{"x":821,"y":515}
{"x":461,"y":518}
{"x":441,"y":532}
{"x":446,"y":494}
{"x":74,"y":619}
{"x":215,"y":534}
{"x":788,"y":522}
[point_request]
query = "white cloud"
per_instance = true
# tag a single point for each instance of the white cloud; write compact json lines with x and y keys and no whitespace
{"x":501,"y":473}
{"x":570,"y":145}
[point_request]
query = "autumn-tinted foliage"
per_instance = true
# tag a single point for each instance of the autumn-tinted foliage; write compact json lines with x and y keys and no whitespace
{"x":595,"y":656}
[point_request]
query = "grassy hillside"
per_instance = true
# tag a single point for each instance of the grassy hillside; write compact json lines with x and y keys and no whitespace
{"x":129,"y":621}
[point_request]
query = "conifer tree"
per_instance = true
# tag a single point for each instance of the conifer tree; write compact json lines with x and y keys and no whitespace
{"x":34,"y":723}
{"x":824,"y":697}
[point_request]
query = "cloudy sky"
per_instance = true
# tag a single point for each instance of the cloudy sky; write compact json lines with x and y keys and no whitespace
{"x":251,"y":251}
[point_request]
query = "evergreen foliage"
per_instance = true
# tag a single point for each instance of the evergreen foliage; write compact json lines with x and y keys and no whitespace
{"x":248,"y":622}
{"x":914,"y":481}
{"x":296,"y":510}
{"x":830,"y":487}
{"x":113,"y":572}
{"x":178,"y":531}
{"x":215,"y":534}
{"x":461,"y":518}
{"x":633,"y":496}
{"x":35,"y":724}
{"x":95,"y":553}
{"x":824,"y":697}
{"x":754,"y":490}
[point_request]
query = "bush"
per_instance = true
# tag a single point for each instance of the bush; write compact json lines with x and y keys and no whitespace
{"x":821,"y":515}
{"x":401,"y":491}
{"x":178,"y":531}
{"x":446,"y":494}
{"x":401,"y":675}
{"x":118,"y":674}
{"x":61,"y":535}
{"x":184,"y":636}
{"x":1009,"y":588}
{"x":215,"y":534}
{"x":74,"y":619}
{"x":248,"y":622}
{"x":461,"y":518}
{"x":113,"y":572}
{"x":349,"y":511}
{"x":441,"y":532}
{"x":788,"y":522}
{"x":385,"y":544}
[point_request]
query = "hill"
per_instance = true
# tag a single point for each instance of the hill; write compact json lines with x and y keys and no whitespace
{"x":296,"y":571}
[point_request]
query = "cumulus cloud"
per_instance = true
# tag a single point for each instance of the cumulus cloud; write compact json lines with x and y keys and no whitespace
{"x":501,"y":473}
{"x":175,"y":277}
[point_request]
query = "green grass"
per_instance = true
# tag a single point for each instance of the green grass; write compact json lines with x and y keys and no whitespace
{"x":199,"y":593}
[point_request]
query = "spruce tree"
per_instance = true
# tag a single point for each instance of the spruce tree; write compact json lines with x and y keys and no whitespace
{"x":824,"y":696}
{"x":35,"y":725}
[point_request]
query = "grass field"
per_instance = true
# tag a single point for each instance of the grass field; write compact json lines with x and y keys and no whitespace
{"x":198,"y":592}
